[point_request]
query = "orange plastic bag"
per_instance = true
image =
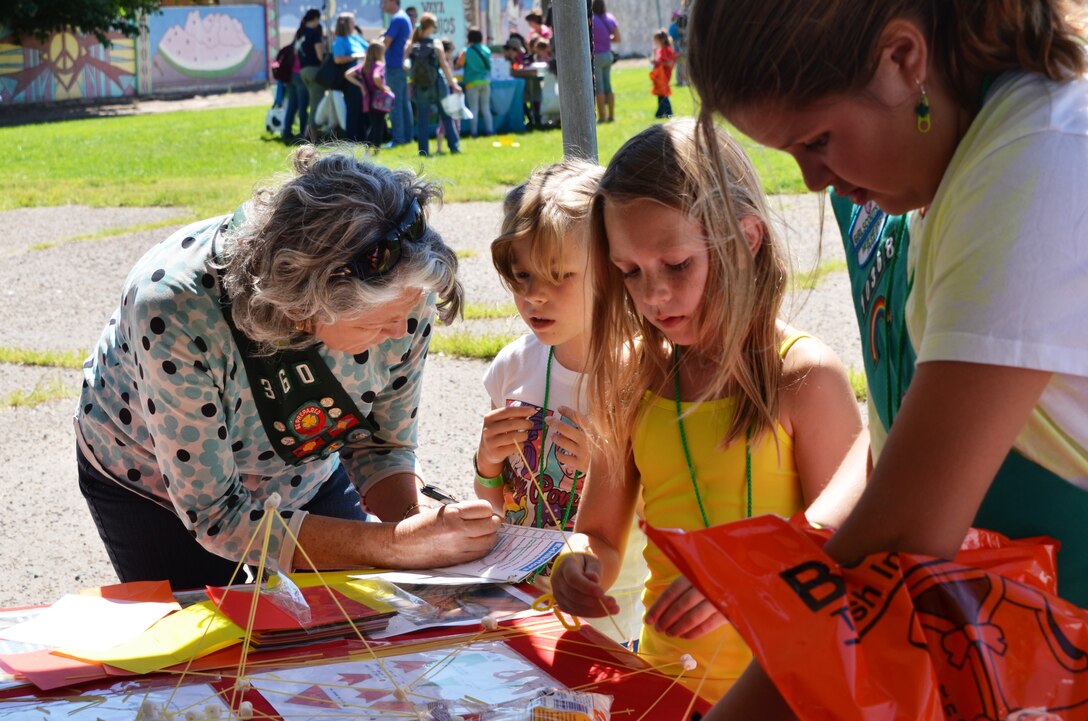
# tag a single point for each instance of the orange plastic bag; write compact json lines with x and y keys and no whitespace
{"x":896,"y":636}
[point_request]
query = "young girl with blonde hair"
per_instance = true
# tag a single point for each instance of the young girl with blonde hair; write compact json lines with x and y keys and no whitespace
{"x":975,"y":114}
{"x":534,"y":383}
{"x":702,"y":398}
{"x":369,"y":77}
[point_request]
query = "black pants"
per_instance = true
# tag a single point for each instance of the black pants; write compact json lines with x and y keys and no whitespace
{"x":148,"y":542}
{"x":664,"y":107}
{"x":377,"y":133}
{"x":356,"y":129}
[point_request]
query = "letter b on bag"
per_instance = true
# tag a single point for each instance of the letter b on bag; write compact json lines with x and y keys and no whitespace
{"x":814,"y":584}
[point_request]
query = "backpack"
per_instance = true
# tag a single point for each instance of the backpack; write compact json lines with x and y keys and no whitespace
{"x":284,"y":64}
{"x":424,"y":65}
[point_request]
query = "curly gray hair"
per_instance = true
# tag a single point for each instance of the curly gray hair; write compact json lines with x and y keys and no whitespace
{"x":279,"y":265}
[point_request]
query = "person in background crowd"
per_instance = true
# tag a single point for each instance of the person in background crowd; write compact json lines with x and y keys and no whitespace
{"x":310,"y":51}
{"x":661,"y":76}
{"x":538,"y":30}
{"x":475,"y":63}
{"x":396,"y":39}
{"x":605,"y":32}
{"x":542,"y":51}
{"x":449,"y":49}
{"x":349,"y":48}
{"x":370,"y":77}
{"x":413,"y":16}
{"x":678,"y":31}
{"x":432,"y":79}
{"x":520,"y":61}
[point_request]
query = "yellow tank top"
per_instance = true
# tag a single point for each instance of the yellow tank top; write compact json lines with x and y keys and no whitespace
{"x":669,"y":502}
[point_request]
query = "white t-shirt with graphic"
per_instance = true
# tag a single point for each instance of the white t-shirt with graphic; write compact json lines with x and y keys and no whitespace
{"x":518,"y":376}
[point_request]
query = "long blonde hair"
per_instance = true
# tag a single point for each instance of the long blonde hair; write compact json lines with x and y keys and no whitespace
{"x":736,"y":321}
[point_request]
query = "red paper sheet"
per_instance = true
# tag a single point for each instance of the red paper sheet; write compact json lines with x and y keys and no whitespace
{"x":237,"y":602}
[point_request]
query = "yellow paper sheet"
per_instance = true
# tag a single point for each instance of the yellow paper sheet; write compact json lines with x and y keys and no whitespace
{"x":190,"y":633}
{"x":376,"y":594}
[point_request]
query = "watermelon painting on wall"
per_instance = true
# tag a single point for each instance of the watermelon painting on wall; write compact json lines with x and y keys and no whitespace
{"x":207,"y":48}
{"x":213,"y":46}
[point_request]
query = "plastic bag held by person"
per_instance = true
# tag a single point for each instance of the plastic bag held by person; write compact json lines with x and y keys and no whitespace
{"x":896,"y":636}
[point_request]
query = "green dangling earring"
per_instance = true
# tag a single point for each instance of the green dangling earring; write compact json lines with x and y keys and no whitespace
{"x":924,"y":119}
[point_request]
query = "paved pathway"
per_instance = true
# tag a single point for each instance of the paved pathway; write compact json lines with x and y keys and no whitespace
{"x":59,"y":297}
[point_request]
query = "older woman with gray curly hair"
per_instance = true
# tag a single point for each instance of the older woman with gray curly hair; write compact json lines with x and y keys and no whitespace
{"x":276,"y":351}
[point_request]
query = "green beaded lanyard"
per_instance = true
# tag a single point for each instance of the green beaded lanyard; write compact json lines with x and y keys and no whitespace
{"x":540,"y":460}
{"x":687,"y":453}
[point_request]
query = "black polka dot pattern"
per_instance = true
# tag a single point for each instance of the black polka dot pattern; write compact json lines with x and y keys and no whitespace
{"x":158,"y":325}
{"x":209,"y":410}
{"x":158,"y":275}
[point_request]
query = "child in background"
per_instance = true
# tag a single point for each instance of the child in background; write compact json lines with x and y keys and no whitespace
{"x":533,"y":383}
{"x":661,"y":76}
{"x":369,"y":76}
{"x":448,"y":48}
{"x":702,"y":401}
{"x":542,"y":51}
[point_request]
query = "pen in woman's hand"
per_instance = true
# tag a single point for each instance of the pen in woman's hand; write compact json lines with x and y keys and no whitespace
{"x":437,"y":494}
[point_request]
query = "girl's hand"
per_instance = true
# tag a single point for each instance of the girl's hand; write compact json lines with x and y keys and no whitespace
{"x":576,"y":585}
{"x":505,"y":429}
{"x":570,"y":439}
{"x":683,"y":612}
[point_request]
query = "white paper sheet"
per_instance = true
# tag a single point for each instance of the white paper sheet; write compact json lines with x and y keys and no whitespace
{"x":88,"y":623}
{"x":518,"y":551}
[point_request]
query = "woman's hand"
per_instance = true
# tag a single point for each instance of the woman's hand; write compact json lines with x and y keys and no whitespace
{"x":576,"y":585}
{"x":683,"y":611}
{"x":570,"y":439}
{"x":454,"y":533}
{"x":505,"y":429}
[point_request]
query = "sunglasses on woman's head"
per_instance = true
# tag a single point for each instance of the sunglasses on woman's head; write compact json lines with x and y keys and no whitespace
{"x":381,"y":256}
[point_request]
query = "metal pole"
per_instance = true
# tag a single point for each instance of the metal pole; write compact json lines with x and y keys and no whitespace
{"x":576,"y":107}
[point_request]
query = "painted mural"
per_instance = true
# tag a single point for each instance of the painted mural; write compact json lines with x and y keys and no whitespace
{"x":207,"y":48}
{"x":369,"y":16}
{"x":66,"y":66}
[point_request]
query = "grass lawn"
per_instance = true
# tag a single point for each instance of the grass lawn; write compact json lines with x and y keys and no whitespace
{"x":209,"y":160}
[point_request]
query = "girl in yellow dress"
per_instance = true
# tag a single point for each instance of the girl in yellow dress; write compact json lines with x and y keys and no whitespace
{"x":701,"y":398}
